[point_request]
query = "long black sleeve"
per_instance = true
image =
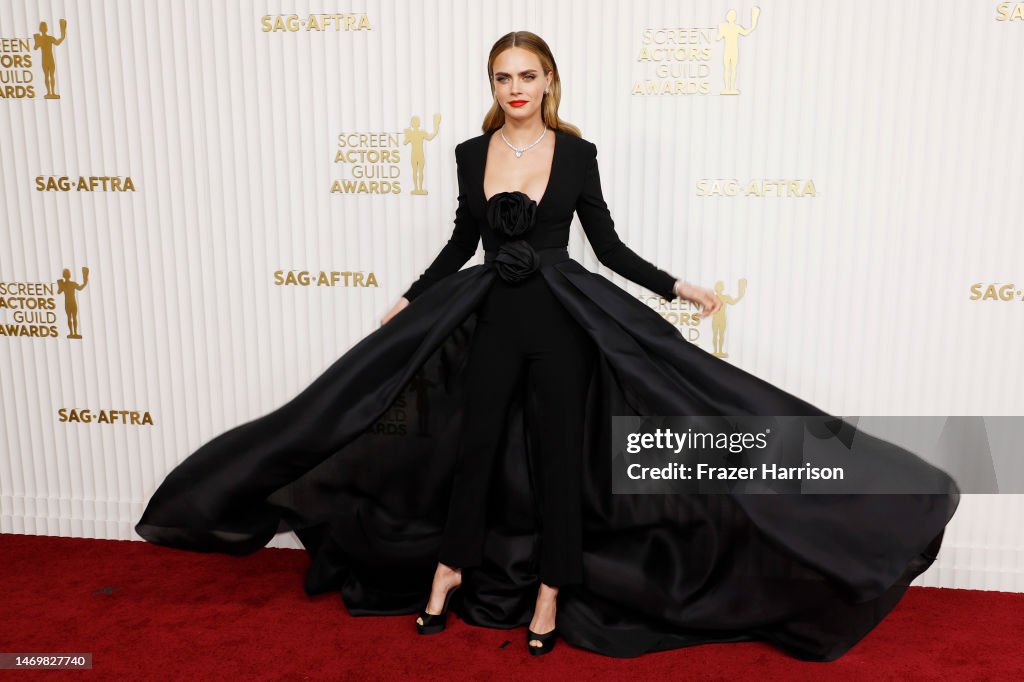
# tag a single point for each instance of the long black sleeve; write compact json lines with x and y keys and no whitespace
{"x":459,"y":249}
{"x":600,"y":229}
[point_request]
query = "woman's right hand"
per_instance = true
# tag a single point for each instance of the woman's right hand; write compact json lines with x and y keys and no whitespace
{"x":397,"y":308}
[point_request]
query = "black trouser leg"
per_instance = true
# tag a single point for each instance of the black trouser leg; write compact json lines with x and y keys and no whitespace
{"x":494,"y":370}
{"x":559,"y":374}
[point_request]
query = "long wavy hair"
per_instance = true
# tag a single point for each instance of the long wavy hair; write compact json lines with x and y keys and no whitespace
{"x":495,"y":117}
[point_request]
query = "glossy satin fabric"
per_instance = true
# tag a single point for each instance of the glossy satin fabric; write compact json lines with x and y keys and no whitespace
{"x":810,"y":574}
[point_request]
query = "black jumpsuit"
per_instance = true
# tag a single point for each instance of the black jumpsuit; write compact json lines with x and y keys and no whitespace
{"x":524,"y":334}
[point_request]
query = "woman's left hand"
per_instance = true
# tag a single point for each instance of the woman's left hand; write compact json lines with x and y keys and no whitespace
{"x":705,"y":298}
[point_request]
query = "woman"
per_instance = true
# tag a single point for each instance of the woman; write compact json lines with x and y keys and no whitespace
{"x":523,"y":332}
{"x":514,"y":369}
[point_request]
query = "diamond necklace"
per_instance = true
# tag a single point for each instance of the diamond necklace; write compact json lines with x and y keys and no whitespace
{"x":517,"y":150}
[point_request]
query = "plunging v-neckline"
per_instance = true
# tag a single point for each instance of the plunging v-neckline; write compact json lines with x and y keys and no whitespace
{"x":551,"y":172}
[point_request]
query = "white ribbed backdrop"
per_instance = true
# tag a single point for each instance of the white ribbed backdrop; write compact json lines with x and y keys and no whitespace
{"x":902,"y":114}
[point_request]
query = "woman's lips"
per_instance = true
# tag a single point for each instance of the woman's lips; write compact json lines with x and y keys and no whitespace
{"x":517,"y":102}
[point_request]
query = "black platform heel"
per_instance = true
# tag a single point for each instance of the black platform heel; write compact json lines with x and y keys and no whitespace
{"x":435,"y":622}
{"x":547,"y":641}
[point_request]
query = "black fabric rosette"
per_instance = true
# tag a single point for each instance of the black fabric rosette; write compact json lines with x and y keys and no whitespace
{"x":515,"y":261}
{"x":511,"y":214}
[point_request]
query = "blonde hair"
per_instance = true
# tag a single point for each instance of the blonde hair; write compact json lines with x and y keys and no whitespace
{"x":495,"y":117}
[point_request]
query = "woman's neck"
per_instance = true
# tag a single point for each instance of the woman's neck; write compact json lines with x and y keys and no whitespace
{"x":522,"y":133}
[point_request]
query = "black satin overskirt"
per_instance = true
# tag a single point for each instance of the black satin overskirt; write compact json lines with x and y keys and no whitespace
{"x":360,"y":463}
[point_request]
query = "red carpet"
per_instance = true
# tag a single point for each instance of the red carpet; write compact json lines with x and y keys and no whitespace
{"x":147,"y":612}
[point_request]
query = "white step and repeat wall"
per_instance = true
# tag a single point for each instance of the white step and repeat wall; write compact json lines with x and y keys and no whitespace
{"x":185,"y":247}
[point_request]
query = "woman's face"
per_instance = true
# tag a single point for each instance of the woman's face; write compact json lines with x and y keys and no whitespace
{"x":519,"y":83}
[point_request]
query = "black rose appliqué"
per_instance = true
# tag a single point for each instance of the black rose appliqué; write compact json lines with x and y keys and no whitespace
{"x":511,"y":213}
{"x":515,"y":261}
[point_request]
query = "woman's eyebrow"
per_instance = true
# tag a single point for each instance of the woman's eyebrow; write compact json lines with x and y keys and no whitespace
{"x":521,"y":73}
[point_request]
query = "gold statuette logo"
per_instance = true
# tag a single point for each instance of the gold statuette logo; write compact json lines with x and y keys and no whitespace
{"x":17,"y":78}
{"x":731,"y":32}
{"x":682,"y":315}
{"x":416,"y":137}
{"x":45,"y":44}
{"x":29,"y":309}
{"x":718,"y":320}
{"x":679,"y":60}
{"x":70,"y":289}
{"x":372,"y":162}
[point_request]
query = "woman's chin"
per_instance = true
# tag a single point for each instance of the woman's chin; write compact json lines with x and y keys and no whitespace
{"x":520,"y":113}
